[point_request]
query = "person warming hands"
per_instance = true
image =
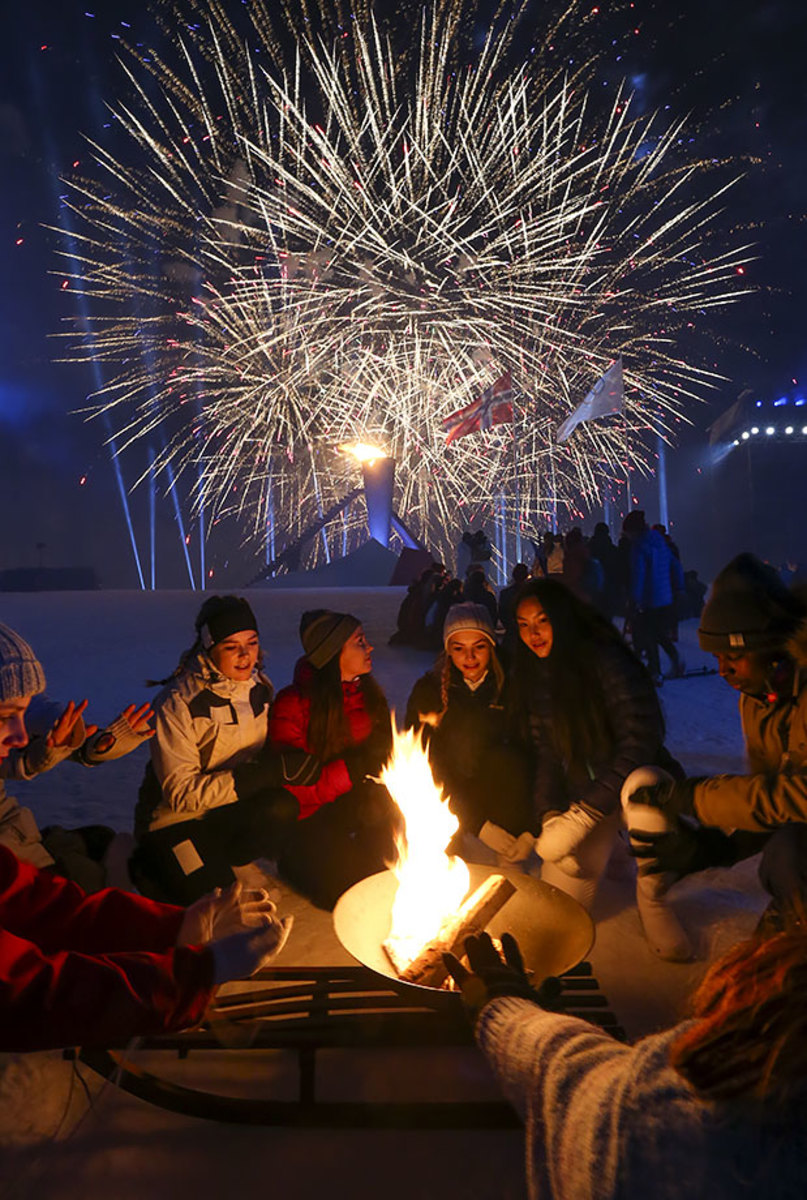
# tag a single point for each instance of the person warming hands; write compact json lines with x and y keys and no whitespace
{"x":712,"y":1109}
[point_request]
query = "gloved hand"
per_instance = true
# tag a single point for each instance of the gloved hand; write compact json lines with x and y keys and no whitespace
{"x":497,"y":839}
{"x":224,"y":912}
{"x":242,"y":954}
{"x":289,"y":768}
{"x":683,"y":850}
{"x":360,"y":763}
{"x":128,"y":731}
{"x":522,"y":849}
{"x":562,"y":833}
{"x":494,"y":976}
{"x":675,"y":797}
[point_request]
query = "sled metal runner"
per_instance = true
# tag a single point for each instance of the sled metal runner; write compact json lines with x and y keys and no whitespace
{"x":326,"y":1008}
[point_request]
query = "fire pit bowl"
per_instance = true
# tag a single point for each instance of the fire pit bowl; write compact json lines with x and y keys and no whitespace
{"x":553,"y":931}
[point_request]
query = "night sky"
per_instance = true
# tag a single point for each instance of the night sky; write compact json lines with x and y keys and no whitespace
{"x":737,"y":66}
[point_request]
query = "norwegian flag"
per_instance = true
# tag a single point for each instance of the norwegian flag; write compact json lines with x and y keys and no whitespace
{"x":494,"y":407}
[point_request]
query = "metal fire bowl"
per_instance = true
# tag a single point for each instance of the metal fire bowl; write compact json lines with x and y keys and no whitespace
{"x":553,"y":931}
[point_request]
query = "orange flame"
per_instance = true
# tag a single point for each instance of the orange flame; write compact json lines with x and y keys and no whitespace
{"x":431,"y":885}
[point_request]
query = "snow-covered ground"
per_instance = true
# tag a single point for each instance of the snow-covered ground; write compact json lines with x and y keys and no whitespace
{"x":104,"y":645}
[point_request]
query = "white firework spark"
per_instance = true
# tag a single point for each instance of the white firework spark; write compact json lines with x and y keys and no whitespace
{"x":344,"y":244}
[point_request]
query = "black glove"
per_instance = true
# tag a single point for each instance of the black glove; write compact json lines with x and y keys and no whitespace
{"x":292,"y":768}
{"x":493,"y":976}
{"x":366,"y":759}
{"x":683,"y":851}
{"x":674,"y":797}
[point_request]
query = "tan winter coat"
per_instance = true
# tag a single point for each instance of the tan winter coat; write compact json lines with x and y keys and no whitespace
{"x":775,"y":789}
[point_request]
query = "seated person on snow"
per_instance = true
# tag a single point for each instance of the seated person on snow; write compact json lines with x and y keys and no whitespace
{"x":757,"y":630}
{"x":214,"y":796}
{"x":460,"y":704}
{"x":59,"y":735}
{"x":336,"y":712}
{"x":99,"y":970}
{"x":587,"y":706}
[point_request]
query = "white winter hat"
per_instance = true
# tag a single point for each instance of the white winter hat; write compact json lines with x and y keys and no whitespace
{"x":471,"y":617}
{"x":21,"y":672}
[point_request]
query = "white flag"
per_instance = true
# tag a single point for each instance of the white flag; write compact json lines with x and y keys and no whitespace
{"x":606,"y":397}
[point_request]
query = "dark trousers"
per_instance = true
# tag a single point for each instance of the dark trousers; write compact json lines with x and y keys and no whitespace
{"x":181,"y":862}
{"x":341,"y":843}
{"x":651,"y":629}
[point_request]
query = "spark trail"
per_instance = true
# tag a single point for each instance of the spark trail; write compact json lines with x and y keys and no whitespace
{"x":320,"y":239}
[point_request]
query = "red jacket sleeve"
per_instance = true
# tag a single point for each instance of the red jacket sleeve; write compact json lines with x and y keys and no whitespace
{"x":52,"y":997}
{"x":59,"y":915}
{"x":288,"y":726}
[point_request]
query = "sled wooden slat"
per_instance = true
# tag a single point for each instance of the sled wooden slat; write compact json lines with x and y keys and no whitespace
{"x":322,"y":1008}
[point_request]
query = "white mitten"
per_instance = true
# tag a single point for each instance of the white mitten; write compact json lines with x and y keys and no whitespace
{"x":242,"y":954}
{"x":224,"y":912}
{"x":498,"y":839}
{"x":523,"y":847}
{"x":664,"y":932}
{"x":562,"y":835}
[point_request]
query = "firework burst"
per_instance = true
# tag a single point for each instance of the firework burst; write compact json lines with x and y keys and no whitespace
{"x":316,"y":240}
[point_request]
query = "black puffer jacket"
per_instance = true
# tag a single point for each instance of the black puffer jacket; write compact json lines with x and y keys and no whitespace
{"x":635,"y":734}
{"x":485,"y":772}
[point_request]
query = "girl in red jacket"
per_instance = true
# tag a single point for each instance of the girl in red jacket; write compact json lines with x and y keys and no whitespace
{"x":335,"y":711}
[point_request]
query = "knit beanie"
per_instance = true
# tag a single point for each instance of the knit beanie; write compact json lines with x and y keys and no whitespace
{"x":222,"y":616}
{"x":21,"y":672}
{"x":471,"y":617}
{"x":749,"y":609}
{"x":324,"y":633}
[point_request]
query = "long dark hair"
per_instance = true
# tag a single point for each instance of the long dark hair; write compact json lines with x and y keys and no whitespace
{"x":328,"y":729}
{"x":581,"y":725}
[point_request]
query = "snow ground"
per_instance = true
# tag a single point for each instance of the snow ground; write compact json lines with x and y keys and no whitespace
{"x":103,"y":645}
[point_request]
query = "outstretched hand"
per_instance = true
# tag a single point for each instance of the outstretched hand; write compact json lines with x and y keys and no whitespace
{"x":240,"y":955}
{"x":680,"y":851}
{"x":138,"y":719}
{"x":493,"y":974}
{"x":225,"y":912}
{"x":64,"y":731}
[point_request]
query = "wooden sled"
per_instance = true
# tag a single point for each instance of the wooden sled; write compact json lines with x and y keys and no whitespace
{"x":312,"y":1010}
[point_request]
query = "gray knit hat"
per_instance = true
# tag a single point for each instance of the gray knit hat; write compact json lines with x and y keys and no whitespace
{"x":749,"y":609}
{"x":471,"y":617}
{"x":324,"y":633}
{"x":21,"y":672}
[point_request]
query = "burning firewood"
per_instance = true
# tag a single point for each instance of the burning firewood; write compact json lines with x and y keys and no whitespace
{"x":471,"y":917}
